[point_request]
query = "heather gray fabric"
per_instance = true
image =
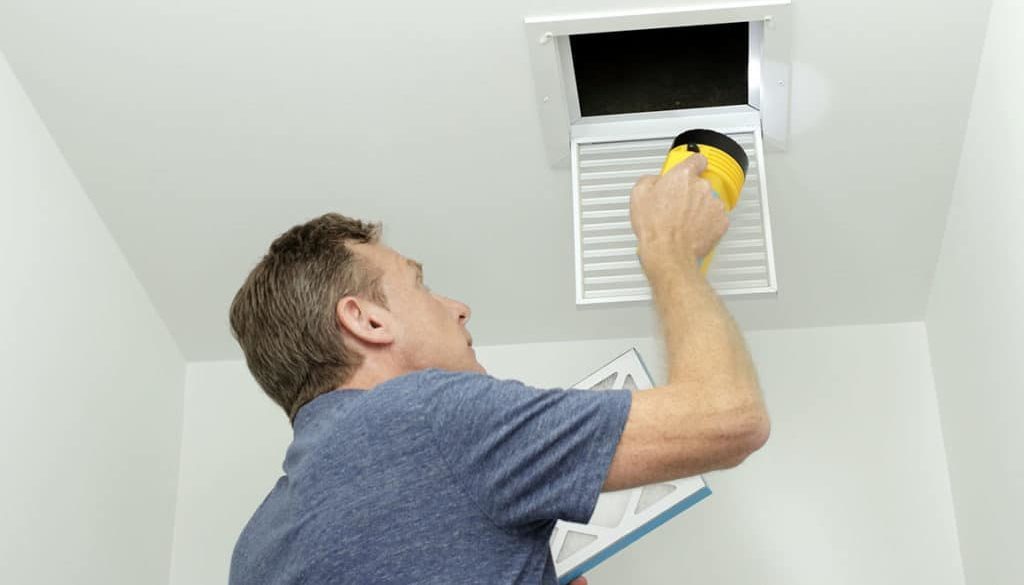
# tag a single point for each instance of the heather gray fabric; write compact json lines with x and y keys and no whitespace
{"x":433,"y":477}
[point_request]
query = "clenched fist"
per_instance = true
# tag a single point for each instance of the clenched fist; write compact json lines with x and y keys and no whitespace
{"x":678,"y":210}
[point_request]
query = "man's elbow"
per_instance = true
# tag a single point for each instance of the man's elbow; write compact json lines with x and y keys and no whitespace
{"x":753,"y":431}
{"x":759,"y":433}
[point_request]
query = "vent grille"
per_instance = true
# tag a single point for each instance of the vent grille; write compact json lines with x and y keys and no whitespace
{"x":607,"y":267}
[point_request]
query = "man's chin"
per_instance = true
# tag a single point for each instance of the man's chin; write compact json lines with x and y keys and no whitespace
{"x":475,"y":366}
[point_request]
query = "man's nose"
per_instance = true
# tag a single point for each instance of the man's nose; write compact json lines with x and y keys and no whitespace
{"x":462,"y":310}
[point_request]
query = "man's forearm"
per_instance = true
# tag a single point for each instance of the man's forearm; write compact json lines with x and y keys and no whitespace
{"x":707,"y":355}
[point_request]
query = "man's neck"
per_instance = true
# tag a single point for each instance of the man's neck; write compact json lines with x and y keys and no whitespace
{"x":373,"y":373}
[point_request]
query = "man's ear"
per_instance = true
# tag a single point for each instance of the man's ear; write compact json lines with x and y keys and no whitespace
{"x":365,"y":320}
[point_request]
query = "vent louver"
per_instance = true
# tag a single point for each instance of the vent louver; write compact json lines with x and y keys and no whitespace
{"x":607,"y":267}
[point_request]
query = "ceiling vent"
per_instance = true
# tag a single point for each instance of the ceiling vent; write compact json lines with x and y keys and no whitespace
{"x":615,"y":89}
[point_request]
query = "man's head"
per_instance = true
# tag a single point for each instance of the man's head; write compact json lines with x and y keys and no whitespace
{"x":331,"y":306}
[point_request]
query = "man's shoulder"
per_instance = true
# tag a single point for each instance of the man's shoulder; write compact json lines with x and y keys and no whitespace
{"x":429,"y":390}
{"x":424,"y":382}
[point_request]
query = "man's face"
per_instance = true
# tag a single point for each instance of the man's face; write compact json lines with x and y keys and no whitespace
{"x":430,"y":329}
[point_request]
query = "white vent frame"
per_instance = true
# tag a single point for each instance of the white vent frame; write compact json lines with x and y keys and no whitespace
{"x":737,"y":120}
{"x":749,"y":273}
{"x":554,"y":81}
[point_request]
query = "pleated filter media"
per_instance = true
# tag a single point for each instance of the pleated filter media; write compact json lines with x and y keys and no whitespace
{"x":622,"y":517}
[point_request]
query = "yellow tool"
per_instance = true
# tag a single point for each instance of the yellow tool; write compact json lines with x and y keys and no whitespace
{"x":727,"y":167}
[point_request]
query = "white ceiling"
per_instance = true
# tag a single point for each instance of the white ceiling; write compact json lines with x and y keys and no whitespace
{"x":202,"y":129}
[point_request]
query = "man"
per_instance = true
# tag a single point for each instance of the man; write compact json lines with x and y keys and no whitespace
{"x":410,"y":464}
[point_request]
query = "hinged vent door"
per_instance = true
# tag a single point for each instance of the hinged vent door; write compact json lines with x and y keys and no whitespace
{"x":607,"y":266}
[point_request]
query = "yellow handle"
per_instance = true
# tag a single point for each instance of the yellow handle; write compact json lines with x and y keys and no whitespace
{"x":723,"y":172}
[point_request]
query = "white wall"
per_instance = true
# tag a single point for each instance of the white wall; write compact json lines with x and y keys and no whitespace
{"x":975,"y":317}
{"x":851,"y":489}
{"x":232,"y":448}
{"x":90,"y":381}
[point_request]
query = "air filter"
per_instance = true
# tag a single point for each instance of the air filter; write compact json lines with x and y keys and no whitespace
{"x":622,"y":517}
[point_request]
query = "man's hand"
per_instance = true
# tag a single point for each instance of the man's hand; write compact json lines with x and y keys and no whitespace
{"x":580,"y":581}
{"x":677,"y":211}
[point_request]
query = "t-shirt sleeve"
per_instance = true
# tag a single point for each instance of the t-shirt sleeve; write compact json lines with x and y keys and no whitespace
{"x":524,"y":454}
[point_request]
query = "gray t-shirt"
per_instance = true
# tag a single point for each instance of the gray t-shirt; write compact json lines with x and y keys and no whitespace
{"x":433,"y":477}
